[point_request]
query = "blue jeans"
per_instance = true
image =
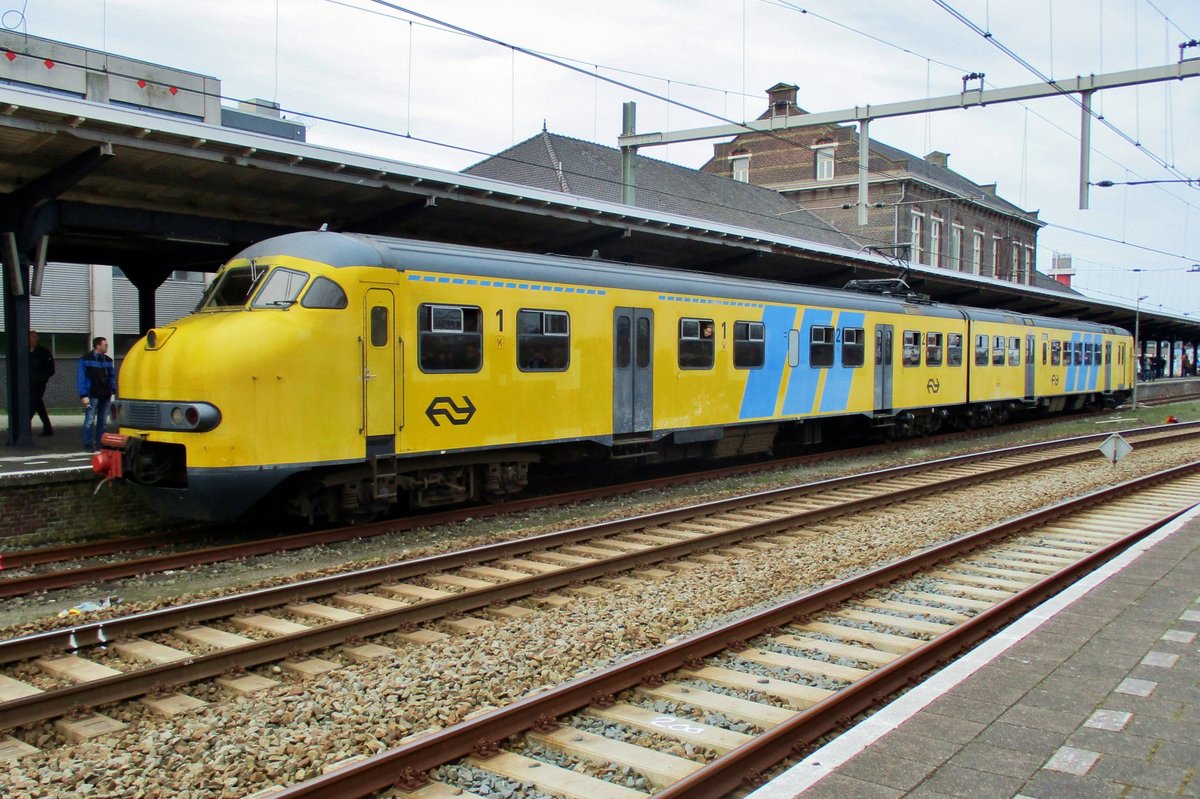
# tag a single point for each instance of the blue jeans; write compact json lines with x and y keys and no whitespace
{"x":95,"y":415}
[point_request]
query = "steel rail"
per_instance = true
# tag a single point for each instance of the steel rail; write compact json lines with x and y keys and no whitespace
{"x":68,"y":578}
{"x":50,"y":704}
{"x":405,"y":765}
{"x":102,"y":632}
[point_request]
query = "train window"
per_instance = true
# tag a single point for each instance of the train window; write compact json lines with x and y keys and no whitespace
{"x":232,"y":288}
{"x":793,"y":348}
{"x":1014,"y":351}
{"x":853,"y":346}
{"x":933,"y":349}
{"x":820,"y":348}
{"x":1087,"y":353}
{"x":696,"y":344}
{"x":1079,"y":353}
{"x":749,"y":345}
{"x":281,"y":289}
{"x":379,"y":326}
{"x":1055,"y":353}
{"x":981,"y":350}
{"x":954,"y":349}
{"x":642,"y":344}
{"x":998,"y":351}
{"x":623,"y":340}
{"x":912,"y":348}
{"x":324,"y":293}
{"x":450,"y":338}
{"x":543,"y":341}
{"x":1045,"y":352}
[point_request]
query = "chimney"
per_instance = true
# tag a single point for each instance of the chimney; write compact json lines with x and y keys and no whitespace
{"x":988,"y":189}
{"x":938,"y":158}
{"x":1061,"y":268}
{"x":782,"y":99}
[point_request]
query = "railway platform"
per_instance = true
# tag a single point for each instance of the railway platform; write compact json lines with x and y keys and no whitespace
{"x":1096,"y":693}
{"x":64,"y":449}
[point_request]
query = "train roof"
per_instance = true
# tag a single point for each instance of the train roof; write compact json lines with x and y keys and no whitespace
{"x":356,"y":249}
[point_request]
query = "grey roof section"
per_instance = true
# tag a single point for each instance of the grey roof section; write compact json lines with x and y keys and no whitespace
{"x":356,"y":249}
{"x":559,"y":163}
{"x":944,"y":176}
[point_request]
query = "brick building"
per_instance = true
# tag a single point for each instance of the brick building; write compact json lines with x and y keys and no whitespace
{"x":944,"y":219}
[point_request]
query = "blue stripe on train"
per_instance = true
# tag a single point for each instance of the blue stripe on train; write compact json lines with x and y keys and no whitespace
{"x":762,"y":385}
{"x":802,"y":385}
{"x":1072,"y":369}
{"x":836,"y":394}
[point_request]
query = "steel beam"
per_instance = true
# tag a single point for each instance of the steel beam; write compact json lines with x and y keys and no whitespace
{"x":1012,"y":94}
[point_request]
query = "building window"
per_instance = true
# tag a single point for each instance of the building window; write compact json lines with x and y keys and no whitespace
{"x":1028,"y":266}
{"x":825,"y":165}
{"x":935,"y":241}
{"x":741,"y":168}
{"x":1015,"y":267}
{"x":977,"y":252}
{"x":189,"y":277}
{"x":918,"y":222}
{"x":956,"y":247}
{"x":995,"y":256}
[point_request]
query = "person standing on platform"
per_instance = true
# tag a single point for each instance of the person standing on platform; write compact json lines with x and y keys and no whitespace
{"x":41,"y":369}
{"x":96,"y":381}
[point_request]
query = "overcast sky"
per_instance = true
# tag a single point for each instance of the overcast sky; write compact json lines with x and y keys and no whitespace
{"x":360,"y":62}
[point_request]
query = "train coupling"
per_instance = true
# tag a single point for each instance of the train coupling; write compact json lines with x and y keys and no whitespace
{"x":109,"y":461}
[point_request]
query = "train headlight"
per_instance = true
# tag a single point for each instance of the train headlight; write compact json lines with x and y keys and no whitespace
{"x":191,"y":416}
{"x":177,"y":416}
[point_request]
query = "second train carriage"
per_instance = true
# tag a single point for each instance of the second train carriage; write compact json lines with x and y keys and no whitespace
{"x":339,"y":374}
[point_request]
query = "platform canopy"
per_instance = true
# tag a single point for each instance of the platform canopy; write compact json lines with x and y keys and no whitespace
{"x":152,"y":193}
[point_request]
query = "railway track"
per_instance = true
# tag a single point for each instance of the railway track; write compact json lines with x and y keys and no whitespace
{"x":750,"y":694}
{"x":220,"y":637}
{"x":34,"y":581}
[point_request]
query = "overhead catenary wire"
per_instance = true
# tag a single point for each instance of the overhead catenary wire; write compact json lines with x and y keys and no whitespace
{"x":991,"y":39}
{"x":433,"y":142}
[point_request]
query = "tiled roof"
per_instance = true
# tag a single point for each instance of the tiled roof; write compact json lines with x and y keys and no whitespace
{"x":558,"y":163}
{"x":948,"y":178}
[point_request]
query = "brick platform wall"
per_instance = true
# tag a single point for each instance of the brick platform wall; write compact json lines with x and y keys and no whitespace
{"x":60,"y":505}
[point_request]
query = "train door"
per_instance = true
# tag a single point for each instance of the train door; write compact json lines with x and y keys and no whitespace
{"x":883,"y":367}
{"x":633,"y":370}
{"x":1030,"y":348}
{"x":379,"y":371}
{"x":1107,"y":366}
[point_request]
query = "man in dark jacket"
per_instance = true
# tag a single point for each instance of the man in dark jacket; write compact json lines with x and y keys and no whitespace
{"x":96,"y":380}
{"x":41,"y":369}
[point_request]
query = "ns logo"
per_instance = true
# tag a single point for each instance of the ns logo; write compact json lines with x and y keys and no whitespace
{"x":446,"y":409}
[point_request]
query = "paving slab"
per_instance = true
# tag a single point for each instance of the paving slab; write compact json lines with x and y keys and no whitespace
{"x":1093,"y":694}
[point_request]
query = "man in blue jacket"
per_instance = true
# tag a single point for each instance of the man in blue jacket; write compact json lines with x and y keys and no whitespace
{"x":96,"y":381}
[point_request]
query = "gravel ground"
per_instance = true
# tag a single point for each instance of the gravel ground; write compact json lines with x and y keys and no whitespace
{"x":239,"y":745}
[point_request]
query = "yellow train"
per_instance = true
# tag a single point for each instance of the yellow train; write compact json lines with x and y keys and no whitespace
{"x":336,"y":375}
